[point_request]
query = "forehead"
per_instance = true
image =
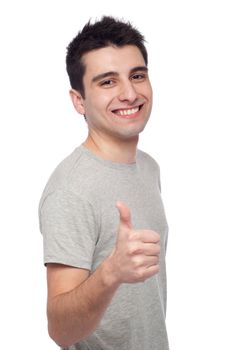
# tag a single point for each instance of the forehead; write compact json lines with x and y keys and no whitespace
{"x":111,"y":58}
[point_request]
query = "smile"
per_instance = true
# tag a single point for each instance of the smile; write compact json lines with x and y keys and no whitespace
{"x":127,"y":112}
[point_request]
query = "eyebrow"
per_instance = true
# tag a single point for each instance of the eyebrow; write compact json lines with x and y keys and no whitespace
{"x":113,"y":73}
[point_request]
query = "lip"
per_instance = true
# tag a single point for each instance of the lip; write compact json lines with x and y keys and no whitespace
{"x":128,"y":116}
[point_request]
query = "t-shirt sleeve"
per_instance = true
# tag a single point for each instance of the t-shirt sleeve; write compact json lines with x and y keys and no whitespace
{"x":69,"y":228}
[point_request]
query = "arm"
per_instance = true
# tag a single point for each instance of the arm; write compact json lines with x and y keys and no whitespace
{"x":77,"y":300}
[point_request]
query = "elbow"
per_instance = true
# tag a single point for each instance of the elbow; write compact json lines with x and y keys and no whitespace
{"x":56,"y":329}
{"x":58,"y":337}
{"x":62,"y":338}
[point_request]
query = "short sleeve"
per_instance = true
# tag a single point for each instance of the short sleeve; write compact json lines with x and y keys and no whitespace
{"x":69,"y":228}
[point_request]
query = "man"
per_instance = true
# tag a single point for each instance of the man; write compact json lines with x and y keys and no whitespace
{"x":101,"y":213}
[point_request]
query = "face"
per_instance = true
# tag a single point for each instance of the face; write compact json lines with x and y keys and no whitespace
{"x":118,"y":93}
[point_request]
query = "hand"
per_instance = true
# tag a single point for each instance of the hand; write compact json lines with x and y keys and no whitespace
{"x":136,"y":254}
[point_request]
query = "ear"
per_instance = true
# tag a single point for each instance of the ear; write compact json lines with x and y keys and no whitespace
{"x":78,"y":101}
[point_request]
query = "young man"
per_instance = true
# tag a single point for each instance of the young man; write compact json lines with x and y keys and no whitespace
{"x":101,"y":213}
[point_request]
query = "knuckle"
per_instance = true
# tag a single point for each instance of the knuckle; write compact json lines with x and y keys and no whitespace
{"x":135,"y":249}
{"x":156,"y":236}
{"x":137,"y":261}
{"x":158,"y":249}
{"x":134,"y":236}
{"x":156,"y":260}
{"x":140,"y":275}
{"x":130,"y":251}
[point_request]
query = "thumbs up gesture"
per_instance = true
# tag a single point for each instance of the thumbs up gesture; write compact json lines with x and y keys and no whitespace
{"x":136,"y":254}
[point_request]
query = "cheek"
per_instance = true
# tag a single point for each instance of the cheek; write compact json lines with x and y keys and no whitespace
{"x":149,"y":92}
{"x":102,"y":103}
{"x":96,"y":108}
{"x":150,"y":98}
{"x":146,"y":92}
{"x":97,"y":102}
{"x":89,"y":106}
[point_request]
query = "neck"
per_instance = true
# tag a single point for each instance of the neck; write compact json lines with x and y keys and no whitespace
{"x":120,"y":151}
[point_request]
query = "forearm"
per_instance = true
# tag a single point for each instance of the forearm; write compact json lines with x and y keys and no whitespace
{"x":74,"y":315}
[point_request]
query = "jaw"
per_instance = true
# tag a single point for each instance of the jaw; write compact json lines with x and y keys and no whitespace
{"x":123,"y":124}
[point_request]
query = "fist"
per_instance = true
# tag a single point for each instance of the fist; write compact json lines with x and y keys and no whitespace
{"x":136,"y":254}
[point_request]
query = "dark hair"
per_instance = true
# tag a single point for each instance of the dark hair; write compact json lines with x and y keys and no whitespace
{"x":106,"y":32}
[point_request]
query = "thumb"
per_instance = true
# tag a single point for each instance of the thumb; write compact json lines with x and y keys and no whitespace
{"x":125,"y":214}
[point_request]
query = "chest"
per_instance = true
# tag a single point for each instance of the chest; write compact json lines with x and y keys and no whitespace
{"x":147,"y":212}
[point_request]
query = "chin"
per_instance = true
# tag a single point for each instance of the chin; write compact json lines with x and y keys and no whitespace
{"x":130,"y":134}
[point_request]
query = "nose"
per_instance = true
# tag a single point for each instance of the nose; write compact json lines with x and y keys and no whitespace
{"x":127,"y":92}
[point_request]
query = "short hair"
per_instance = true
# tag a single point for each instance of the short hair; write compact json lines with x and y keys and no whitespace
{"x":109,"y":31}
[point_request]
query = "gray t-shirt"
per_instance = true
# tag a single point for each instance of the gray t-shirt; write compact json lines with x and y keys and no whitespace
{"x":79,"y":222}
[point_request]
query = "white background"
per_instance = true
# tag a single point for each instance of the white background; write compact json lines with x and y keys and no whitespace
{"x":189,"y":134}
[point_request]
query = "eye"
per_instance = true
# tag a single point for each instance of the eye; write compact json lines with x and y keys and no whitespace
{"x":138,"y":76}
{"x":106,"y":83}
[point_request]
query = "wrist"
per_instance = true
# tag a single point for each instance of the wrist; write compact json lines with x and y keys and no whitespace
{"x":110,"y":276}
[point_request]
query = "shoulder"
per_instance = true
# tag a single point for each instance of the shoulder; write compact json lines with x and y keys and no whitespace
{"x":62,"y":178}
{"x":72,"y":172}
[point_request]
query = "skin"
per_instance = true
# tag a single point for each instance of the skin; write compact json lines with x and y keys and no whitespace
{"x":77,"y":299}
{"x":126,"y":87}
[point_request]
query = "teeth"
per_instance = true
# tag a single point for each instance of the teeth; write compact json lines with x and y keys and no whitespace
{"x":123,"y":112}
